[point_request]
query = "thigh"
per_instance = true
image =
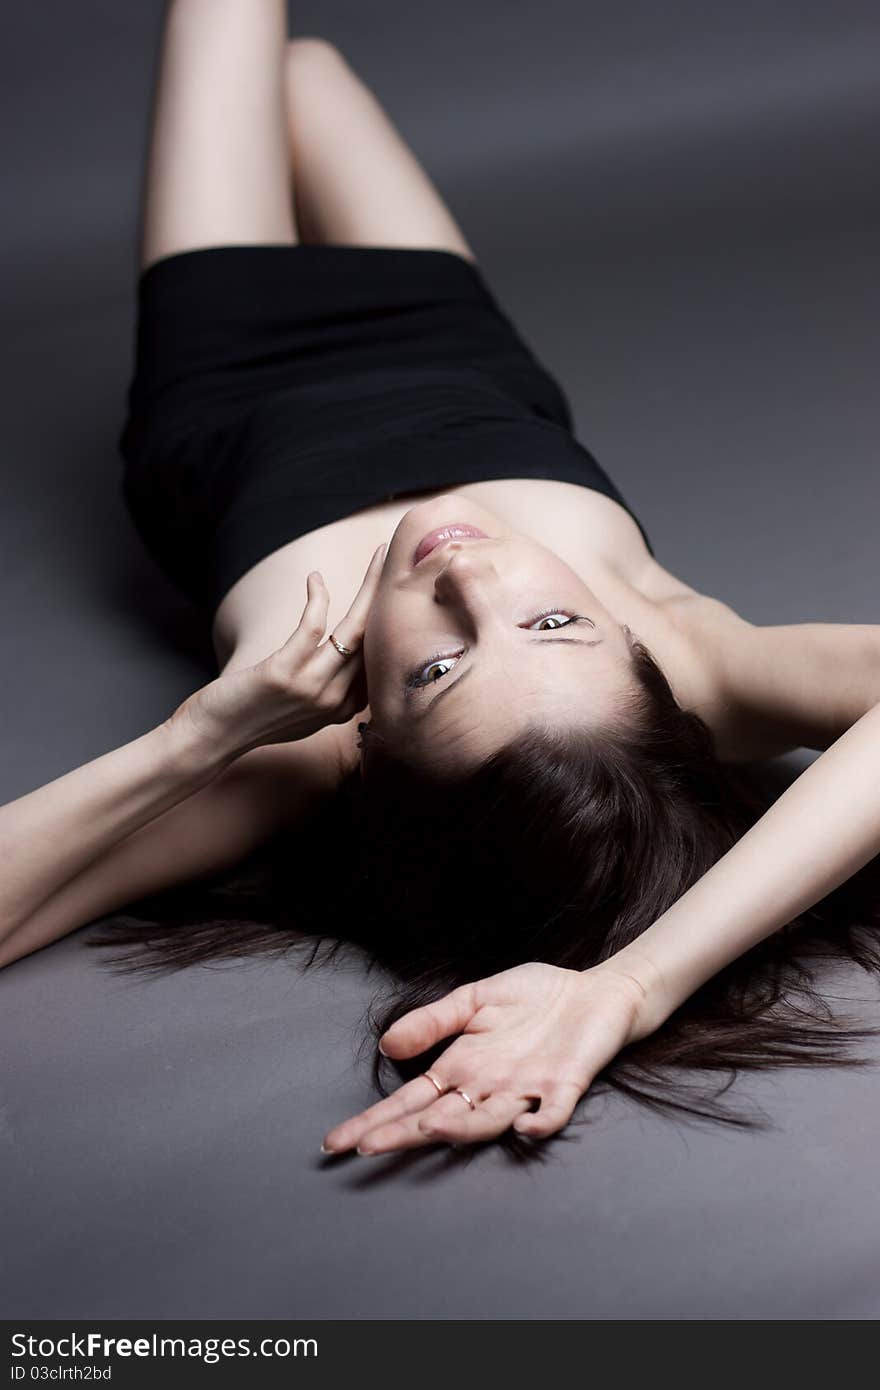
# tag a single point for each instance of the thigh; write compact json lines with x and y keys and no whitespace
{"x":355,"y":180}
{"x":218,"y":168}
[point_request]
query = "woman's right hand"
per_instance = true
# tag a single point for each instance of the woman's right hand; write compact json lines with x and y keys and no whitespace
{"x":295,"y":691}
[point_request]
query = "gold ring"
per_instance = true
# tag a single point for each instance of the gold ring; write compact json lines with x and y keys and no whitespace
{"x":441,"y":1090}
{"x":464,"y":1095}
{"x":343,"y":651}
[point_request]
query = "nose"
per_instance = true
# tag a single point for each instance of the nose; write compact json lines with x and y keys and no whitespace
{"x":468,"y":577}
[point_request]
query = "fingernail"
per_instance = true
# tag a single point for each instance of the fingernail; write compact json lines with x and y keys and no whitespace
{"x":325,"y":1150}
{"x":382,"y":1050}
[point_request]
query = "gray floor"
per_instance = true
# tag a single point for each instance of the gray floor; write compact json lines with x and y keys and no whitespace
{"x":678,"y":206}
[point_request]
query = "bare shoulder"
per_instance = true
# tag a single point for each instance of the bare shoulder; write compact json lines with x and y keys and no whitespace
{"x":696,"y":638}
{"x":621,"y":547}
{"x":690,"y":609}
{"x":704,"y":619}
{"x":710,"y":640}
{"x":766,"y":690}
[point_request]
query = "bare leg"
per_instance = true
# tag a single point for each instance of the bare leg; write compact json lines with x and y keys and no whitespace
{"x":258,"y":140}
{"x":218,"y":170}
{"x":355,"y":180}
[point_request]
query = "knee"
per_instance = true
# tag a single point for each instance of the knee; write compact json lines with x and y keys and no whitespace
{"x":307,"y":54}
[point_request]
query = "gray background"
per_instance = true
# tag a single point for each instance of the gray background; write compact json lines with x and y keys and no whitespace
{"x":677,"y":204}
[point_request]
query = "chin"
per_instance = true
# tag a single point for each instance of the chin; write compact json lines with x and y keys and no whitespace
{"x":438,"y":504}
{"x":452,"y":506}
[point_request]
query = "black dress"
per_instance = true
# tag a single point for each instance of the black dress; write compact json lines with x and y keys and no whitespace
{"x":279,"y":388}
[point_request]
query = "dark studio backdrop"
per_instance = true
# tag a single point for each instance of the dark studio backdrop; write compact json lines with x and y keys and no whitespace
{"x":677,"y":203}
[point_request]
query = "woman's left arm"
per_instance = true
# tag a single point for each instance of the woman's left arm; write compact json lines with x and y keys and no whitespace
{"x":779,"y":687}
{"x":816,"y":835}
{"x":538,"y":1031}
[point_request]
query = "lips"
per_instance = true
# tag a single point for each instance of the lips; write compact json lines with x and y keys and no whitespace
{"x":453,"y":531}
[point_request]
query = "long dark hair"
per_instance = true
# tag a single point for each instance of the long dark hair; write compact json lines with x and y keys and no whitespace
{"x":561,"y":847}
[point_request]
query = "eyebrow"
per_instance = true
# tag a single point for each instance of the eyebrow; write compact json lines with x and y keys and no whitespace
{"x":542,"y":642}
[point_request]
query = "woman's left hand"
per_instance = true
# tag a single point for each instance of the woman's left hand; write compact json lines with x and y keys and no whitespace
{"x":535,"y":1032}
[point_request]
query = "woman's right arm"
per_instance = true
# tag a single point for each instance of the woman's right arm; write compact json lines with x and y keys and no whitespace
{"x":247,"y":753}
{"x":167,"y":808}
{"x":109,"y":832}
{"x":51,"y":834}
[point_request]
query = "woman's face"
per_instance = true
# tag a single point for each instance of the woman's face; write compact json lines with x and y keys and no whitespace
{"x":458,"y":656}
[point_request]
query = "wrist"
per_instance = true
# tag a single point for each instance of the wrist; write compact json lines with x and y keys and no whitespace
{"x":635,"y":971}
{"x":193,"y":749}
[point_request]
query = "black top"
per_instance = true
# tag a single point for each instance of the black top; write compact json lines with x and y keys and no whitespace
{"x":280,"y":388}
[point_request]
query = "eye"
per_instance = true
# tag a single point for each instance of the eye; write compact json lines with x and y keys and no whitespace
{"x":544,"y":616}
{"x":424,"y":675}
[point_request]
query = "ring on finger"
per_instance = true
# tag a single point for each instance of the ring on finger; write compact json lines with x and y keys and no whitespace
{"x":343,"y":651}
{"x":464,"y":1095}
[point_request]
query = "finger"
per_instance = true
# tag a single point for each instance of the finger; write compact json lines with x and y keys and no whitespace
{"x":449,"y":1120}
{"x":410,"y":1098}
{"x":310,"y":628}
{"x":556,"y":1109}
{"x":421,"y":1028}
{"x":360,"y":604}
{"x":350,"y":629}
{"x":371,"y":576}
